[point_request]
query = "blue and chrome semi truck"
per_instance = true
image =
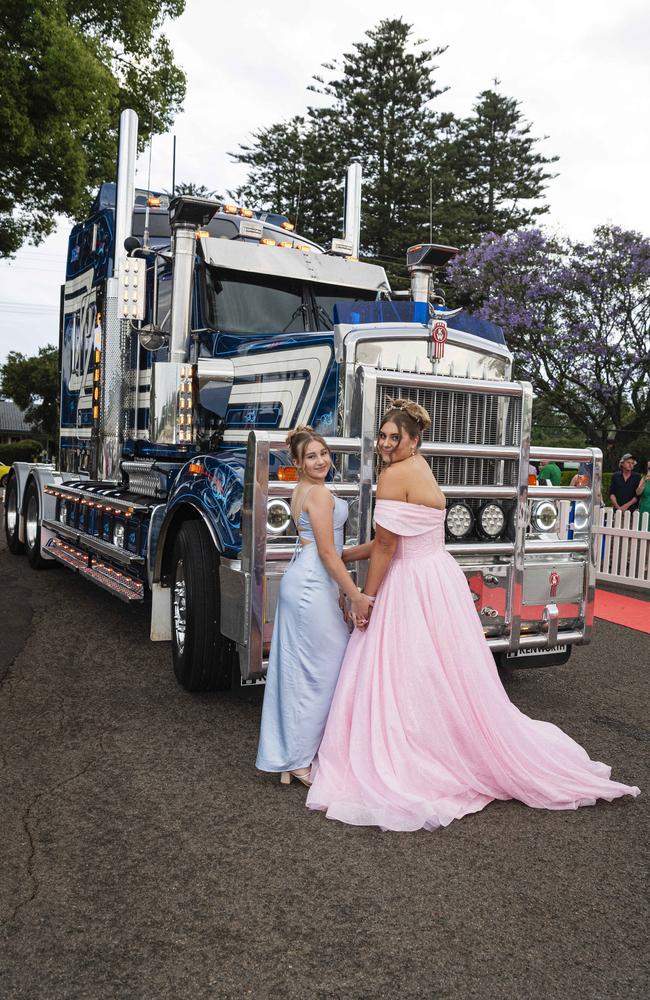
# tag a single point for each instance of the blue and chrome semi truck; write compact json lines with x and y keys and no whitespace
{"x":193,"y":335}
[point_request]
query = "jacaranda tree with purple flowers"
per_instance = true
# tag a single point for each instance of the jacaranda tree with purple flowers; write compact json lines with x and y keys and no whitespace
{"x":577,"y":318}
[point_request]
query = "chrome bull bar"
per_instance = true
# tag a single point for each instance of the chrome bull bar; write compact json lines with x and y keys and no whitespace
{"x":256,"y":555}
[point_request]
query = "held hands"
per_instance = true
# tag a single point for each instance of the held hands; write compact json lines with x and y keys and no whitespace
{"x":361,"y":608}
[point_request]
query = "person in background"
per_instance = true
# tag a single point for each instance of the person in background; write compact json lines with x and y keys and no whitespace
{"x":643,"y":492}
{"x":622,"y":491}
{"x":583,"y":476}
{"x":552,"y":472}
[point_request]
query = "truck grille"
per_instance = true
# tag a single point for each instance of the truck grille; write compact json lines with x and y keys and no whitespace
{"x":467,"y":418}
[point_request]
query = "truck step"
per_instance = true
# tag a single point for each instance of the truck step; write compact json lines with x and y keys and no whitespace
{"x":88,"y":565}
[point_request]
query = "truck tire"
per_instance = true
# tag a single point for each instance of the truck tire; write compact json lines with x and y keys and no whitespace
{"x":33,"y":528}
{"x":14,"y":544}
{"x":203,"y":659}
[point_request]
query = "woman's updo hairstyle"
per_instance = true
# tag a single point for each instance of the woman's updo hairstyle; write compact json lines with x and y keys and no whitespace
{"x":299,"y":438}
{"x":408,"y":416}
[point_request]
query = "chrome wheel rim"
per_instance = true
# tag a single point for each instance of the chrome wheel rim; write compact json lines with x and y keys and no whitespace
{"x":179,"y":606}
{"x":31,"y":521}
{"x":11,"y":511}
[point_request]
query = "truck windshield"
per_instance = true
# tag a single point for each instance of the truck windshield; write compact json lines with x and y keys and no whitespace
{"x":326,"y":295}
{"x":254,"y":303}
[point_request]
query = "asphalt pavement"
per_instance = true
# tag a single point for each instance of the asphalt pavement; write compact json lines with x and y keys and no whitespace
{"x":144,"y":858}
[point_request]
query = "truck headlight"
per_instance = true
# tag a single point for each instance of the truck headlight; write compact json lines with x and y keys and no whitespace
{"x":581,"y":513}
{"x":118,"y":535}
{"x":63,"y":512}
{"x":544,"y":516}
{"x":491,"y":520}
{"x":278,"y":516}
{"x":460,"y":520}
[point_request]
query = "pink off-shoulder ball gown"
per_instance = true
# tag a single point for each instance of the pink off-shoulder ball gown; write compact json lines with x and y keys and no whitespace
{"x":421,"y":731}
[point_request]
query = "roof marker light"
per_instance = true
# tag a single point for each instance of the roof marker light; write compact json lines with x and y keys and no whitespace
{"x":246,"y":212}
{"x":202,"y":234}
{"x":230,"y":209}
{"x":268,"y":243}
{"x":153,"y":201}
{"x":289,"y":226}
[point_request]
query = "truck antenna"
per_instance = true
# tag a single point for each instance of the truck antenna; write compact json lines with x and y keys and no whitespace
{"x":174,"y":167}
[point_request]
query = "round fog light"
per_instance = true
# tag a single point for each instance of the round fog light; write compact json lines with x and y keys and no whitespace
{"x":580,"y":516}
{"x":460,"y":520}
{"x":544,"y":516}
{"x":491,"y":520}
{"x":278,"y":516}
{"x":118,"y":535}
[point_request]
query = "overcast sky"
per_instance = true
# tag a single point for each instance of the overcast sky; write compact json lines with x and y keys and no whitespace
{"x":580,"y":68}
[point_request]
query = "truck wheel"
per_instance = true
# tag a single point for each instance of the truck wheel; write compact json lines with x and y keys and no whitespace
{"x":33,"y":528}
{"x":202,"y":657}
{"x":11,"y":518}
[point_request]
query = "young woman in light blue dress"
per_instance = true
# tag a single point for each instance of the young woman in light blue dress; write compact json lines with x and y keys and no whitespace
{"x":310,"y":634}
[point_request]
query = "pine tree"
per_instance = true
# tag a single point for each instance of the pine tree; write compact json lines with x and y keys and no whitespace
{"x":378,"y":112}
{"x":275,"y":159}
{"x":500,"y":173}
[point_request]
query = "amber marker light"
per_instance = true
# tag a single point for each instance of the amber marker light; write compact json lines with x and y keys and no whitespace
{"x":268,"y":243}
{"x":202,"y":234}
{"x":197,"y":469}
{"x":246,"y":212}
{"x":288,"y":474}
{"x":289,"y":226}
{"x":230,"y":209}
{"x":153,"y":202}
{"x":285,"y":243}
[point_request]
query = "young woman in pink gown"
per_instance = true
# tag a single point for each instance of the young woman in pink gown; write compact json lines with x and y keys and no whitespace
{"x":421,"y":731}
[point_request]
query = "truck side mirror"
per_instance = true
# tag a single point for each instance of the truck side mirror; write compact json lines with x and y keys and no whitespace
{"x":151,"y":337}
{"x":132,"y":243}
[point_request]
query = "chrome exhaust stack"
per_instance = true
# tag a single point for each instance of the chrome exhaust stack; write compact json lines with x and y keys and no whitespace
{"x":353,"y":207}
{"x":115,"y":330}
{"x":171,"y":418}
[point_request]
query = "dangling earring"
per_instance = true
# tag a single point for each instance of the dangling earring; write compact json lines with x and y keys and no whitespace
{"x":412,"y":451}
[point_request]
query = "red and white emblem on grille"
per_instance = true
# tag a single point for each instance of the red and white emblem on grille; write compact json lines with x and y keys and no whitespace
{"x":553,"y":580}
{"x":439,"y":338}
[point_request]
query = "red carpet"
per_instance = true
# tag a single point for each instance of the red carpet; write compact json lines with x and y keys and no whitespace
{"x":628,"y":611}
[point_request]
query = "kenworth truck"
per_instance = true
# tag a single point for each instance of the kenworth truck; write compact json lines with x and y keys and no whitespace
{"x":193,"y":335}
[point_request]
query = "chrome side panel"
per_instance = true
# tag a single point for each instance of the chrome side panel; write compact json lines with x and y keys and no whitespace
{"x":235,"y":598}
{"x":163,"y":406}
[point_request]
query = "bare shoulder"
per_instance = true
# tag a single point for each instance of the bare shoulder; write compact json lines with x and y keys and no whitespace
{"x":393,"y":482}
{"x":318,"y":499}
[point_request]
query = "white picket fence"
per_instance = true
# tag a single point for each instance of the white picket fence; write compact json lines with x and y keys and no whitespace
{"x":624,"y":552}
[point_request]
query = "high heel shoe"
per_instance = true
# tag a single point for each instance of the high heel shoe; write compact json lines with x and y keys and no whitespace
{"x":286,"y":778}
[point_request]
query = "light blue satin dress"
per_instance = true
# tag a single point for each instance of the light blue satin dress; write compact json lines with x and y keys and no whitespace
{"x":307,"y":648}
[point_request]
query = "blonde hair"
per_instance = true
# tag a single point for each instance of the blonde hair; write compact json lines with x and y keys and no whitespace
{"x":299,"y":437}
{"x":409,"y":416}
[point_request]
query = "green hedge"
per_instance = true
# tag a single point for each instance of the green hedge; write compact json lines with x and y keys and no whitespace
{"x":20,"y":451}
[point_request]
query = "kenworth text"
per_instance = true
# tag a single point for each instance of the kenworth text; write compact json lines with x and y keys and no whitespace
{"x":193,"y":336}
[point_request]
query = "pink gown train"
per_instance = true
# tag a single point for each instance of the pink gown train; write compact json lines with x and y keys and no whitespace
{"x":421,"y":731}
